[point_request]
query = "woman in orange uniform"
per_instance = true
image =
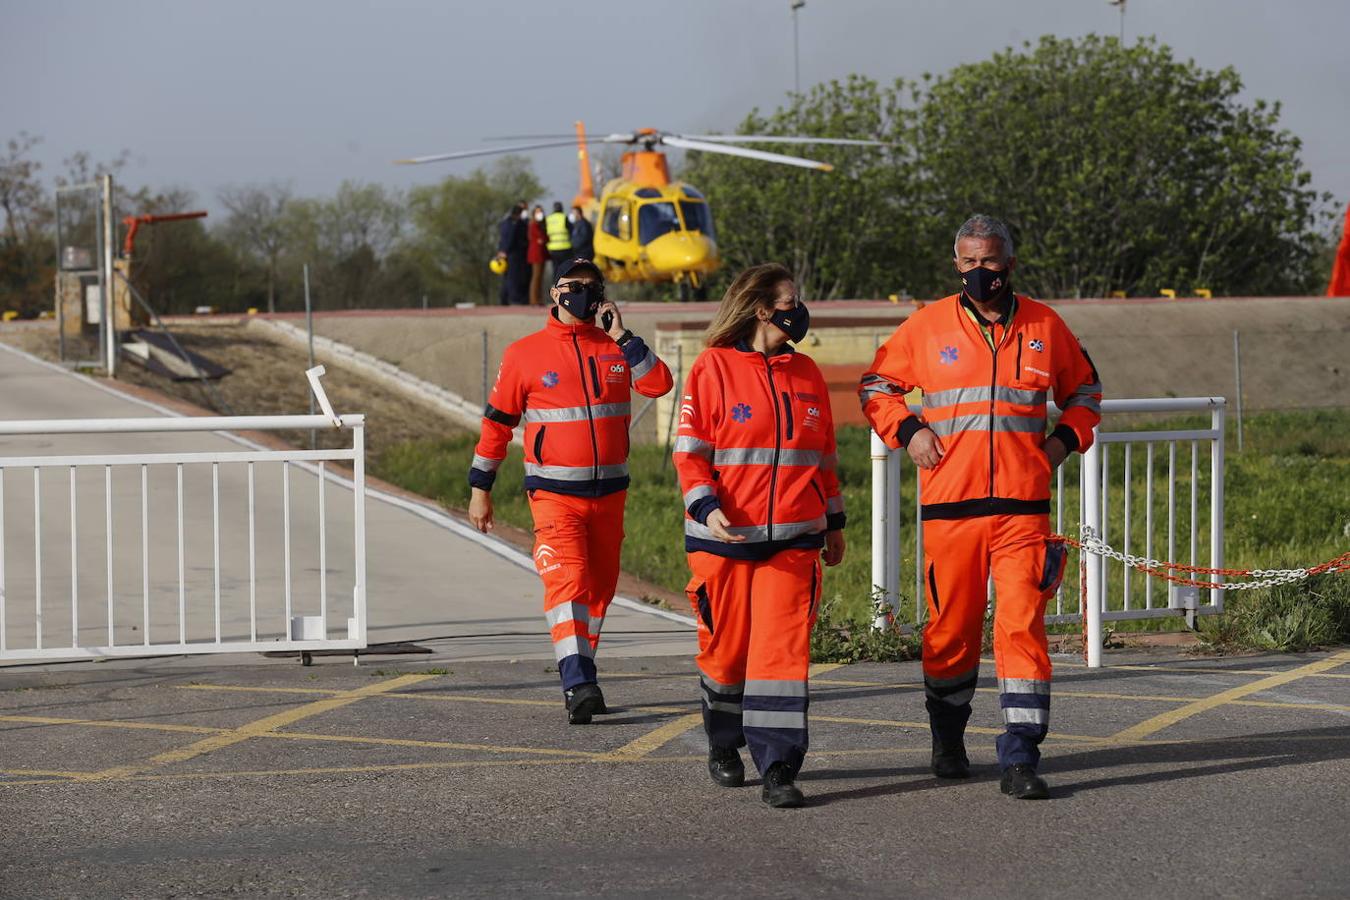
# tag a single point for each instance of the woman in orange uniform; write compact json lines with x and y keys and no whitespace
{"x":756,"y":457}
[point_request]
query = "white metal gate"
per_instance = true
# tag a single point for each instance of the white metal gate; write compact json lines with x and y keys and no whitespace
{"x":1108,"y":481}
{"x":190,"y":549}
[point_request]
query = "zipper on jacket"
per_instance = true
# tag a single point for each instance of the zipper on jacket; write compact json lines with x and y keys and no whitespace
{"x":539,"y":445}
{"x":787,"y":413}
{"x":777,"y":443}
{"x":1017,"y":376}
{"x":590,"y":416}
{"x":595,"y":377}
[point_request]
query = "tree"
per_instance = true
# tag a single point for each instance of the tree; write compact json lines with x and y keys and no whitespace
{"x":455,"y":226}
{"x":257,"y":222}
{"x":346,"y":240}
{"x":1119,"y":169}
{"x":25,"y":245}
{"x":852,"y":232}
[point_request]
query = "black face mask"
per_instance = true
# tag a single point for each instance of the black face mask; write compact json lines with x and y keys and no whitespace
{"x":794,"y":322}
{"x":984,"y":285}
{"x":581,"y":299}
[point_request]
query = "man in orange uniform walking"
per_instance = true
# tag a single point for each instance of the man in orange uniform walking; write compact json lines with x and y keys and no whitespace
{"x":986,"y":359}
{"x":570,"y":382}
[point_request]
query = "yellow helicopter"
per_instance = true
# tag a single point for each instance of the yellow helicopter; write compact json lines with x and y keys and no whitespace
{"x":647,"y":227}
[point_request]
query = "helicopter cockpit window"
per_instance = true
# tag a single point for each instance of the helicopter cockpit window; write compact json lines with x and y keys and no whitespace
{"x":617,"y":220}
{"x":696,"y":217}
{"x":646,"y":192}
{"x":692,"y":192}
{"x":656,"y":219}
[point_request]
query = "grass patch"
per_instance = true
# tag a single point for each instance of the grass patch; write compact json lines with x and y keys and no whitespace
{"x":1287,"y":498}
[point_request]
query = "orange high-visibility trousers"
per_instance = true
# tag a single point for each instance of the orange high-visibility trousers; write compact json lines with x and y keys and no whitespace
{"x":577,"y":541}
{"x":961,"y":555}
{"x":754,"y":638}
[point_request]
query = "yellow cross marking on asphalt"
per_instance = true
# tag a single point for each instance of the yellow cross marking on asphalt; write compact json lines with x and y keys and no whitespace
{"x":256,"y":728}
{"x":1173,"y":716}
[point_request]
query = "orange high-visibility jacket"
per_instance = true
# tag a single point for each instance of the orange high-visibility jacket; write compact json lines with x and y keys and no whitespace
{"x":756,"y":439}
{"x":571,"y":384}
{"x":987,"y":403}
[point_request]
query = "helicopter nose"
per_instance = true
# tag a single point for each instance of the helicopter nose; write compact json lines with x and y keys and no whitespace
{"x":680,"y":251}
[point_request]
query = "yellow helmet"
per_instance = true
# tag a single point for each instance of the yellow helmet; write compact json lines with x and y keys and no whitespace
{"x":498,"y":265}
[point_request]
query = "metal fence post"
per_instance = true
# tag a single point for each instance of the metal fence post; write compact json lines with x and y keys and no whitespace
{"x":1092,"y":517}
{"x":1216,"y":464}
{"x":882,"y":550}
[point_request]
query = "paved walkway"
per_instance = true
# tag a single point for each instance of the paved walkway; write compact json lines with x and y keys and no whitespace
{"x":1170,"y":777}
{"x":430,"y":576}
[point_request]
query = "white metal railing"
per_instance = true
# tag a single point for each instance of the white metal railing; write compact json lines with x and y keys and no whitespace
{"x":1108,"y":510}
{"x":148,"y":605}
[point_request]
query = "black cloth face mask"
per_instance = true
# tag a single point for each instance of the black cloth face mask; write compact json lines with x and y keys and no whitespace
{"x":984,"y":285}
{"x":581,"y":298}
{"x":794,"y":322}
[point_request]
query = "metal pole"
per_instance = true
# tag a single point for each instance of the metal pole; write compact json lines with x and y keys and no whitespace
{"x":109,"y":236}
{"x":424,"y":301}
{"x":674,"y":402}
{"x":1216,"y":460}
{"x":1237,"y":375}
{"x":485,"y":368}
{"x":881,"y":487}
{"x":796,"y":63}
{"x":1092,"y":515}
{"x":309,"y":327}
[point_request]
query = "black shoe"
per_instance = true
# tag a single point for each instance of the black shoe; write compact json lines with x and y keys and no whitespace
{"x":601,"y":709}
{"x":725,"y":766}
{"x":779,"y":791}
{"x":1021,"y":782}
{"x":951,"y":762}
{"x":583,"y":701}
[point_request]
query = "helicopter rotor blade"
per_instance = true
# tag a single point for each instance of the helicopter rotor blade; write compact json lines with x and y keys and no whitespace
{"x":465,"y":154}
{"x":781,"y":139}
{"x":731,"y":150}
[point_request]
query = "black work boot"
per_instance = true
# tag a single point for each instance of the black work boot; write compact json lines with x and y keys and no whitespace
{"x":583,"y":701}
{"x":779,"y":791}
{"x":601,"y":709}
{"x":950,"y":761}
{"x":725,"y":766}
{"x":1021,"y":782}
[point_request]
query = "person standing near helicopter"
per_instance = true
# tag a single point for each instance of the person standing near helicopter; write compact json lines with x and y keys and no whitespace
{"x":559,"y":238}
{"x":756,"y":457}
{"x":570,"y":383}
{"x":537,"y":255}
{"x":513,"y":246}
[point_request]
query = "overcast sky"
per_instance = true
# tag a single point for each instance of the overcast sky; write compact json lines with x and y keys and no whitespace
{"x":206,"y":94}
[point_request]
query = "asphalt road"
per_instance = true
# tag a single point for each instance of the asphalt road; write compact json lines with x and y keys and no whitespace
{"x":1170,"y":777}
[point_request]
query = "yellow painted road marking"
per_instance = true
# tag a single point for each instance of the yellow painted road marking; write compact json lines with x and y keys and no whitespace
{"x":654,"y":739}
{"x":1196,"y":669}
{"x":427,"y":695}
{"x":112,"y":723}
{"x":257,"y":727}
{"x":822,"y":668}
{"x":435,"y":745}
{"x":970,"y":729}
{"x":1173,"y":716}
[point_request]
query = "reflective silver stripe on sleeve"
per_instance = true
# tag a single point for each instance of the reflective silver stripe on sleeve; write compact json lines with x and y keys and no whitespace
{"x":1021,"y":715}
{"x":764,"y":456}
{"x":834,"y":504}
{"x":945,"y":427}
{"x":578,"y":413}
{"x":483,"y":464}
{"x":939,"y":399}
{"x":686,"y":444}
{"x":576,"y":473}
{"x":1093,"y":388}
{"x":572,"y":646}
{"x":773,"y":718}
{"x":1086,"y":401}
{"x":568,"y":612}
{"x":775,"y":688}
{"x":871,"y":393}
{"x":644,"y":365}
{"x":719,"y":688}
{"x":1024,"y":686}
{"x":698,"y":493}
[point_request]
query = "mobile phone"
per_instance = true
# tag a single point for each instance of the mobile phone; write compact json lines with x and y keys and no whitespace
{"x":606,"y":320}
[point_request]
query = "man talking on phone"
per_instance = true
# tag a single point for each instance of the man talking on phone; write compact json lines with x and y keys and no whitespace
{"x":571,"y":383}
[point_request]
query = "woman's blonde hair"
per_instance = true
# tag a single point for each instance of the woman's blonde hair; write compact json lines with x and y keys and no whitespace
{"x":754,"y":288}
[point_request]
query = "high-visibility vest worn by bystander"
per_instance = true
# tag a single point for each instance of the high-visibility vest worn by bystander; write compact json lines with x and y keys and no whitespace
{"x":559,"y":238}
{"x":571,"y":386}
{"x":985,"y":390}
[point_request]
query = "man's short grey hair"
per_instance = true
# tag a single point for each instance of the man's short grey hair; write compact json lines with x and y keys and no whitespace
{"x":982,"y":226}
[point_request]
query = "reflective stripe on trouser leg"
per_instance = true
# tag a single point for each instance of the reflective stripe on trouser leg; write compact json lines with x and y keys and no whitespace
{"x":782,"y":601}
{"x":1020,"y":651}
{"x":559,"y":556}
{"x":955,"y":584}
{"x":718,"y":591}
